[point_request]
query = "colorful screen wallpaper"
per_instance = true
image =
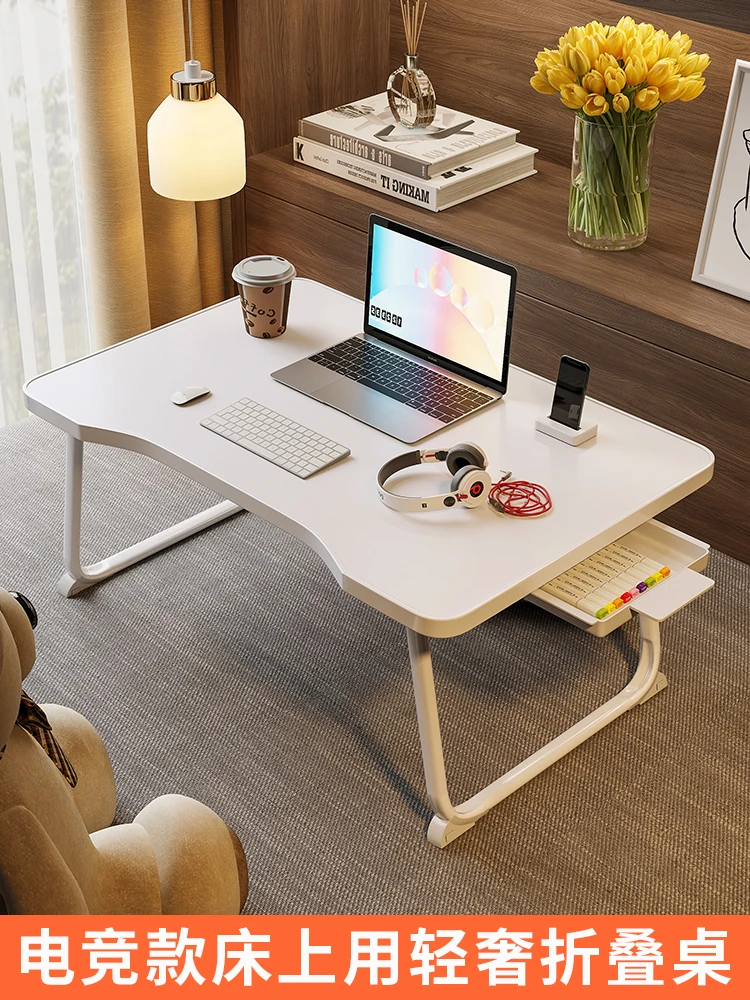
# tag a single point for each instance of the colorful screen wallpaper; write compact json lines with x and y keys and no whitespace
{"x":437,"y":300}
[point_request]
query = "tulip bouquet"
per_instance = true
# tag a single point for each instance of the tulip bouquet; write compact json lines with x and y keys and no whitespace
{"x":616,"y":79}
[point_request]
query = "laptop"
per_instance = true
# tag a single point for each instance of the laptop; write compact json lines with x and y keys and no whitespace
{"x":436,"y":341}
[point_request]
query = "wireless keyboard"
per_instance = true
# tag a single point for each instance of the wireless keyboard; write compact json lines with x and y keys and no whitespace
{"x":276,"y":438}
{"x":603,"y":583}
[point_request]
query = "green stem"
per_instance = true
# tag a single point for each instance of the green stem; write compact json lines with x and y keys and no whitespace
{"x":609,"y":190}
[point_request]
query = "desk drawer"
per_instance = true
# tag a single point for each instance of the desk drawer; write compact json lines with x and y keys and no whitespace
{"x":655,"y":541}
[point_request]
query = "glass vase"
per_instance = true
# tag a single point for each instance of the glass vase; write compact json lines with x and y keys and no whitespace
{"x":609,"y":190}
{"x":411,"y":96}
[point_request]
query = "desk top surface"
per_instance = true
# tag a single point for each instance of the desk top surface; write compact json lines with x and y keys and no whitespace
{"x":439,"y":573}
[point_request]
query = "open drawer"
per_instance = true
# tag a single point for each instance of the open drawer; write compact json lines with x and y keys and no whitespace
{"x":685,"y":556}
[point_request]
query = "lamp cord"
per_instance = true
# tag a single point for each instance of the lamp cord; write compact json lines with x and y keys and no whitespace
{"x":190,"y":27}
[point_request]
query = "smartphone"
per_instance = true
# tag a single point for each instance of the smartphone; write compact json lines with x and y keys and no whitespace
{"x":570,"y":392}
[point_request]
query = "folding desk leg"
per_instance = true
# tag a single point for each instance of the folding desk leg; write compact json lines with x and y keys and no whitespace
{"x":77,"y":577}
{"x":451,"y":821}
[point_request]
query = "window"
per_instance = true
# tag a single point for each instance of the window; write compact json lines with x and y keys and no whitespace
{"x":44,"y":311}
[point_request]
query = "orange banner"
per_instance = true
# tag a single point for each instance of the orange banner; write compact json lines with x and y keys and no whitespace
{"x":314,"y":956}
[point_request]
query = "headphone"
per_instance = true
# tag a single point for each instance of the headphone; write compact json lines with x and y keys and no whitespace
{"x":470,"y":486}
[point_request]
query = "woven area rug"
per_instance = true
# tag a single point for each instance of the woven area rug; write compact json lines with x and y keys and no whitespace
{"x":232,"y":668}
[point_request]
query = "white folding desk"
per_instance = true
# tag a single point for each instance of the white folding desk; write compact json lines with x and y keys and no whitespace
{"x":438,"y":574}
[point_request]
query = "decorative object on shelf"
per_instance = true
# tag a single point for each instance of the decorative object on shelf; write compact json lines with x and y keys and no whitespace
{"x":443,"y":191}
{"x":366,"y":130}
{"x":196,"y":140}
{"x":723,"y":258}
{"x":615,"y":79}
{"x":411,"y":96}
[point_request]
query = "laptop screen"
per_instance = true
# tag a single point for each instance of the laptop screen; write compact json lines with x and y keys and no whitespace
{"x":441,"y":302}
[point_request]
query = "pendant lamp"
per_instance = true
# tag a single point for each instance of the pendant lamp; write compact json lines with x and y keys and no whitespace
{"x":196,"y":140}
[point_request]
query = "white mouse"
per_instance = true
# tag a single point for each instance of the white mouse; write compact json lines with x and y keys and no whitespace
{"x":188,"y":394}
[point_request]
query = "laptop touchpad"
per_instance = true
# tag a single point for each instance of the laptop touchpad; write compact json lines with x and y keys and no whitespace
{"x":306,"y":376}
{"x":380,"y":411}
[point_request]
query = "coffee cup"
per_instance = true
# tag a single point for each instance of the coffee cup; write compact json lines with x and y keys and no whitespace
{"x":265,"y":286}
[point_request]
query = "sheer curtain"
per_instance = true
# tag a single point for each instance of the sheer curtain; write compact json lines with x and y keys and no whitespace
{"x":44,"y":311}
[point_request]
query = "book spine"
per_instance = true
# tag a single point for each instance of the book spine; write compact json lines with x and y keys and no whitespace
{"x":370,"y":175}
{"x":375,"y":155}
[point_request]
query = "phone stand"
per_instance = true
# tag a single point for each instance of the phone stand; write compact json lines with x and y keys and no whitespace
{"x":566,"y":434}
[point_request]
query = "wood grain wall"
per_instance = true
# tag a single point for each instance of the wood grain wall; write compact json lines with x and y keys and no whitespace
{"x":285,"y":60}
{"x":732,"y":14}
{"x":293,"y":58}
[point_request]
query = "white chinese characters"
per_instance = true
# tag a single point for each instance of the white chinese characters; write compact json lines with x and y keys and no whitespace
{"x":374,"y":958}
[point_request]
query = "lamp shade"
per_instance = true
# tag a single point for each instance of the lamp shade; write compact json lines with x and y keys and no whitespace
{"x":196,"y":149}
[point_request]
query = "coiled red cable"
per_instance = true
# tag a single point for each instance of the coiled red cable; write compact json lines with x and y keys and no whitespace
{"x":519,"y":498}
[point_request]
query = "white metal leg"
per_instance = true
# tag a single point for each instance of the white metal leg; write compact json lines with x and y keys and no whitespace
{"x":77,"y":577}
{"x":451,"y":821}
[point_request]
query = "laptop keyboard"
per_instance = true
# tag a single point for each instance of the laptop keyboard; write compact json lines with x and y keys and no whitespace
{"x":415,"y":385}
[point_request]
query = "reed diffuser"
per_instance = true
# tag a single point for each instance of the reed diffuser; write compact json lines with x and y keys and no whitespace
{"x":411,"y":96}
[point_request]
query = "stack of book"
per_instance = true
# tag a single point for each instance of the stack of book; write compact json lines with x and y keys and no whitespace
{"x":456,"y":158}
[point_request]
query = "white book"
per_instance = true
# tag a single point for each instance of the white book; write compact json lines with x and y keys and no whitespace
{"x":367,"y":129}
{"x":441,"y":192}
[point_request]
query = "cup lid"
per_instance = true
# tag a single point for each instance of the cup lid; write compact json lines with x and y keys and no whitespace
{"x":263,"y":270}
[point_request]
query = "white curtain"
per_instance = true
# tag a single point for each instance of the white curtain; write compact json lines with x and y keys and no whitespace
{"x":44,"y":312}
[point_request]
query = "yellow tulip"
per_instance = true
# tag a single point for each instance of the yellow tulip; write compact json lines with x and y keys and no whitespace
{"x":693,"y":86}
{"x":605,"y":62}
{"x":627,"y":24}
{"x":565,"y":49}
{"x":589,"y":45}
{"x":558,"y":76}
{"x":595,"y":105}
{"x":692,"y":64}
{"x":570,"y":37}
{"x":651,"y":54}
{"x":578,"y":62}
{"x":615,"y":80}
{"x":660,"y":72}
{"x":662,"y":41}
{"x":594,"y":82}
{"x":539,"y":83}
{"x":635,"y":72}
{"x":614,"y":42}
{"x":644,"y":31}
{"x":547,"y":58}
{"x":620,"y":103}
{"x":647,"y":99}
{"x":672,"y":50}
{"x":671,"y":90}
{"x":594,"y":28}
{"x":681,"y":42}
{"x":573,"y":96}
{"x":632,"y":49}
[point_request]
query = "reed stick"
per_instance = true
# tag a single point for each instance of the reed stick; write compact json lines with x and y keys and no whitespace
{"x":410,"y":14}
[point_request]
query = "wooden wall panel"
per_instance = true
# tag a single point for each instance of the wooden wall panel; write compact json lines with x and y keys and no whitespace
{"x":733,"y":14}
{"x":290,"y":59}
{"x":320,"y":249}
{"x":644,"y":379}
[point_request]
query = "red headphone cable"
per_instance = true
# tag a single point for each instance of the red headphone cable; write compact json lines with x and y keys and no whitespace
{"x":519,"y":498}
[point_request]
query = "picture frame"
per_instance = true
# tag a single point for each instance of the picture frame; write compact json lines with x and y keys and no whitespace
{"x":723,"y":257}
